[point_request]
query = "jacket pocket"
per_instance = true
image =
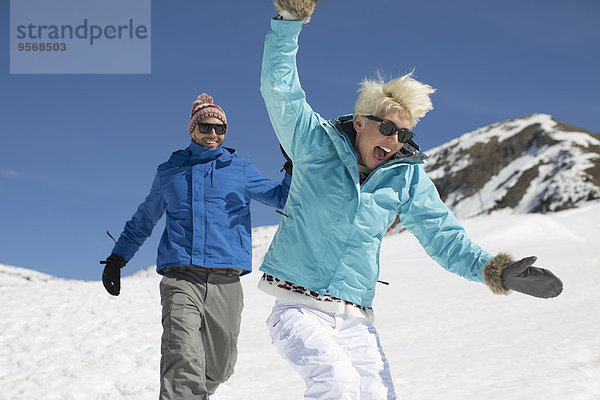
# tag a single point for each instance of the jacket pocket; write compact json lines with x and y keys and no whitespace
{"x":241,"y":240}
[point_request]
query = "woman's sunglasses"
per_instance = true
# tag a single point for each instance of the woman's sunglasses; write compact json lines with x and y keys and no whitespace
{"x":387,"y":128}
{"x":205,"y":128}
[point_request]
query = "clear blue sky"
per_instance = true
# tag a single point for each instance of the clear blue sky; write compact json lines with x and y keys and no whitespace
{"x":78,"y":152}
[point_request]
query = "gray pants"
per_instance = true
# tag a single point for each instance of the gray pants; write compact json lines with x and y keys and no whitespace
{"x":201,"y":313}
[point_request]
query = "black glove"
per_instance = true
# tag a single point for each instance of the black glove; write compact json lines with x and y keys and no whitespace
{"x":111,"y":277}
{"x":522,"y":277}
{"x":288,"y":166}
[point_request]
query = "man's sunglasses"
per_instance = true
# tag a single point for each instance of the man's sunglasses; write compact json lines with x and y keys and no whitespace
{"x":205,"y":128}
{"x":387,"y":128}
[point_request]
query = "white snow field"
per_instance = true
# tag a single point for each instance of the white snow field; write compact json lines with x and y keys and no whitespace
{"x":446,"y":338}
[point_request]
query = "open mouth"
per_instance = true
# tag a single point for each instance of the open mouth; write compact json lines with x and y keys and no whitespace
{"x":380,"y":153}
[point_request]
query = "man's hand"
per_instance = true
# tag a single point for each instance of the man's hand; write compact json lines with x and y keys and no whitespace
{"x":288,"y":166}
{"x":111,"y":277}
{"x":297,"y":10}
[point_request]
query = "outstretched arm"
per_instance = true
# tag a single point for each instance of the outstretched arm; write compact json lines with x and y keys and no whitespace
{"x":445,"y":240}
{"x":437,"y":229}
{"x":267,"y":191}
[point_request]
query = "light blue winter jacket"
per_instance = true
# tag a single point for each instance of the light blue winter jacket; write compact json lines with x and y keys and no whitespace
{"x":330,"y":241}
{"x":206,"y":195}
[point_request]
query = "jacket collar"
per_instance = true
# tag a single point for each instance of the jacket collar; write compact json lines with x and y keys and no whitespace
{"x":197,"y":154}
{"x":200,"y":154}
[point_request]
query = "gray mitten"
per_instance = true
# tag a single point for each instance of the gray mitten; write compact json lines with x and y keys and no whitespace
{"x":503,"y":274}
{"x":298,"y":10}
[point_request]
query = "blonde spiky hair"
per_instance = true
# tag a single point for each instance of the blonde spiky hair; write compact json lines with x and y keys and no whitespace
{"x":377,"y":97}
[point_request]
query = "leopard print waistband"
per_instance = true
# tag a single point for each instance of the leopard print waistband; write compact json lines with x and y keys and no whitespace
{"x":286,"y":285}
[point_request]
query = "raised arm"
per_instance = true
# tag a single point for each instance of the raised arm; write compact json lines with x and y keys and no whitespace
{"x":293,"y":120}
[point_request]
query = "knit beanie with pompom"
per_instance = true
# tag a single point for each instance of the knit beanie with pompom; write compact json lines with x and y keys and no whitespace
{"x":204,"y":107}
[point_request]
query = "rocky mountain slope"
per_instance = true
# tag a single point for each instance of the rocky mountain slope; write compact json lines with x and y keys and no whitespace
{"x":532,"y":164}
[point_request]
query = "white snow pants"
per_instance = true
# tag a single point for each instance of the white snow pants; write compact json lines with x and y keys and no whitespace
{"x":339,"y":357}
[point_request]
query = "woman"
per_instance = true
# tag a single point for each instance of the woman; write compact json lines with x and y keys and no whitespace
{"x":352,"y":177}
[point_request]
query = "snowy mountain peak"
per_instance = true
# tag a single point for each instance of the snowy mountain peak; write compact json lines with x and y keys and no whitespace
{"x":528,"y":164}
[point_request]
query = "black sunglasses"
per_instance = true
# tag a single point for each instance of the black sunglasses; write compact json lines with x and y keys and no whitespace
{"x":205,"y":128}
{"x":387,"y":128}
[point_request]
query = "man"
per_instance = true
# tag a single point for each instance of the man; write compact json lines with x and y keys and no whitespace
{"x":352,"y":177}
{"x":205,"y":191}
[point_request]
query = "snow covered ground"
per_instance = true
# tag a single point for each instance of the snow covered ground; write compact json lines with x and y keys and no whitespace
{"x":445,"y":338}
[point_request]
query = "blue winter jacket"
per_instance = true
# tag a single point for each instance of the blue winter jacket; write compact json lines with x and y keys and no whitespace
{"x":331,"y":239}
{"x":206,"y":195}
